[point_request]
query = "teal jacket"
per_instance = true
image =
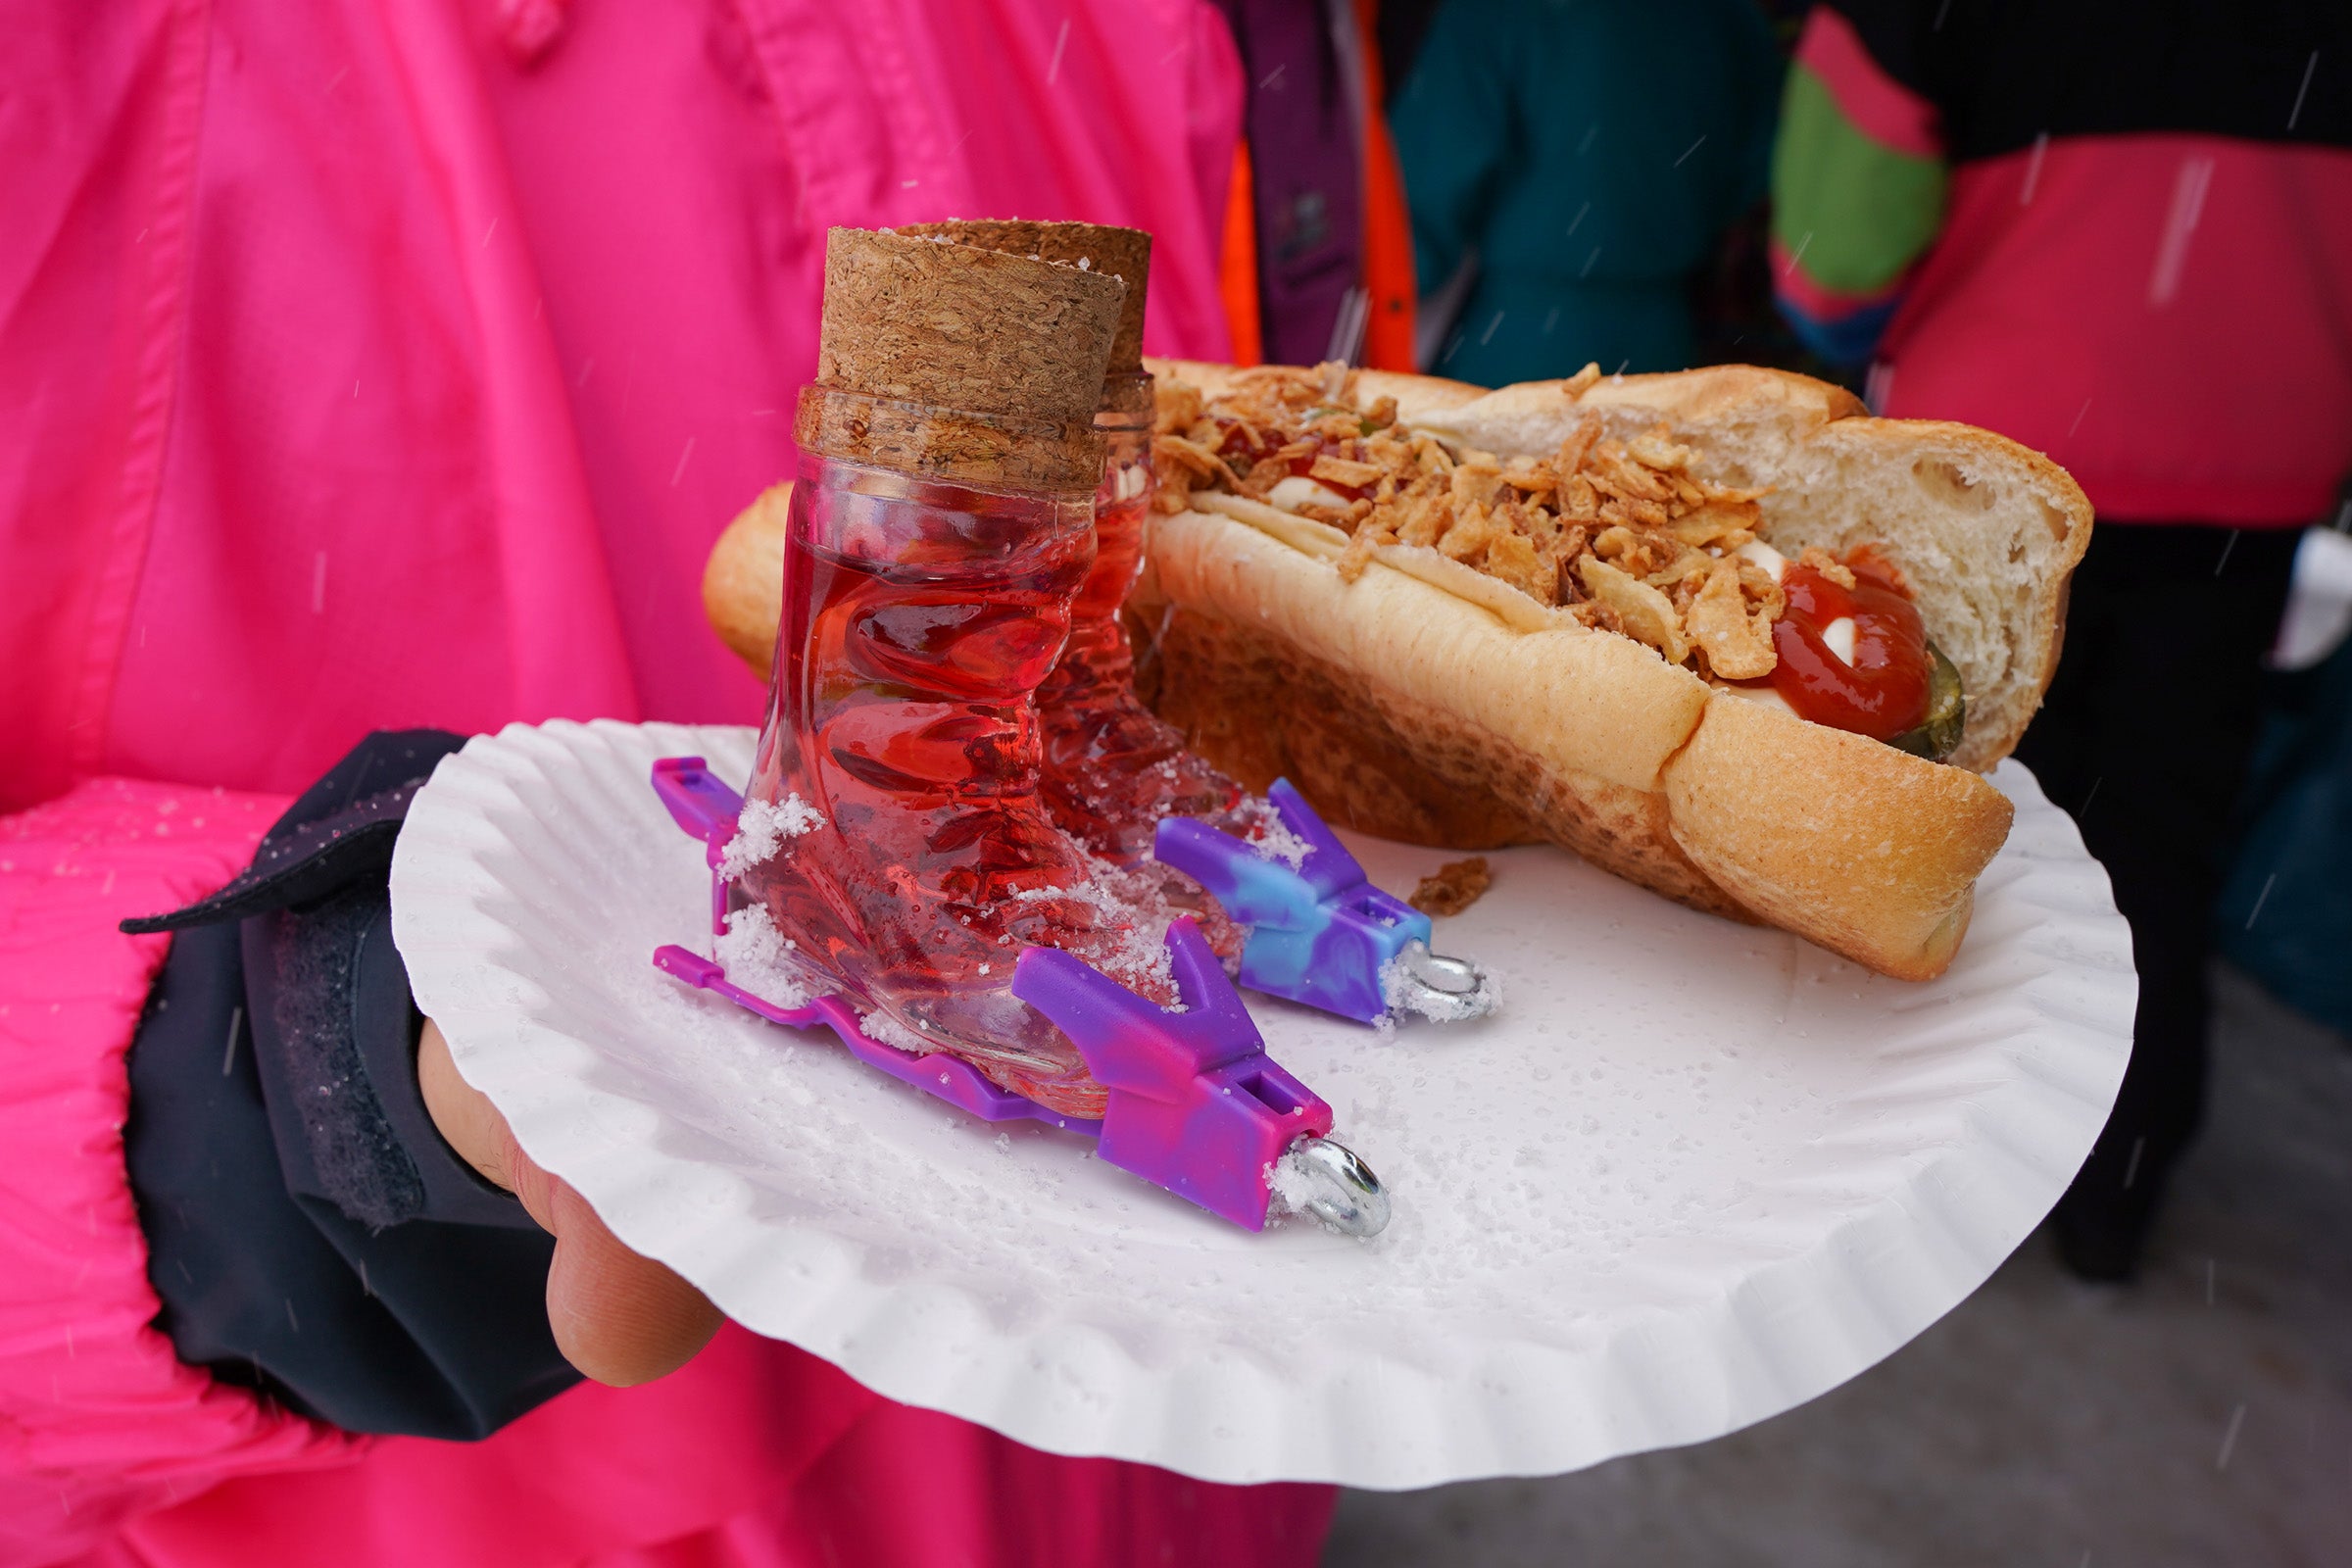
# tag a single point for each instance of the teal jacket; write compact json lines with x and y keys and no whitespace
{"x":1592,"y":153}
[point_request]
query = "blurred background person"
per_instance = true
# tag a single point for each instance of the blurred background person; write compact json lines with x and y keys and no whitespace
{"x":2286,"y":914}
{"x":1571,"y":167}
{"x":2123,"y":236}
{"x":1317,"y":261}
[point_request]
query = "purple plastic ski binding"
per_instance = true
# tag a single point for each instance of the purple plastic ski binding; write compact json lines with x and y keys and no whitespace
{"x":706,"y":807}
{"x":1195,"y":1104}
{"x":1320,"y":932}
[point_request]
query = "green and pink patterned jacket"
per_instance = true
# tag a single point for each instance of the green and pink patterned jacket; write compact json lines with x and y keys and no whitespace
{"x":2120,"y":234}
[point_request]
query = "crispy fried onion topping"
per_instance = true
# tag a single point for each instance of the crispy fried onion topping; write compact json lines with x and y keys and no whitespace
{"x":1621,"y":534}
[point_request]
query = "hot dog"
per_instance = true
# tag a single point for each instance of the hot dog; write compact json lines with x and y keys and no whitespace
{"x":1717,"y":631}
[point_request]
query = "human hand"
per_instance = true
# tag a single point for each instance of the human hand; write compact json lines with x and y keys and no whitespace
{"x":620,"y":1317}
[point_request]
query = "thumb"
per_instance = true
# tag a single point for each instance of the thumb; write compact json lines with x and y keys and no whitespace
{"x":619,"y":1317}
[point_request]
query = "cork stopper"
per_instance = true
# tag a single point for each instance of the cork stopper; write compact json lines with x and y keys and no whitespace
{"x":960,"y":328}
{"x":1123,"y":253}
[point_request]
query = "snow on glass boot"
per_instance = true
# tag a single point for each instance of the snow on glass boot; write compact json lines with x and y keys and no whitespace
{"x":940,"y":529}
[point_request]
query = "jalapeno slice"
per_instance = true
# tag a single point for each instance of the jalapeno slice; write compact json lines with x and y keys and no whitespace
{"x":1938,"y":736}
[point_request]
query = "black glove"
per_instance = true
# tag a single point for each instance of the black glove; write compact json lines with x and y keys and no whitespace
{"x":310,"y":1233}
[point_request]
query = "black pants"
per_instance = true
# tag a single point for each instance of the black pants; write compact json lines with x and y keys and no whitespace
{"x":2144,"y":737}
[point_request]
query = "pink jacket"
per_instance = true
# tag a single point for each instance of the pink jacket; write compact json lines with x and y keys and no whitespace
{"x":374,"y":363}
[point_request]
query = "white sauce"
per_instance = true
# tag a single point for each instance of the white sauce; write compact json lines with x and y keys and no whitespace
{"x":1838,"y":637}
{"x":1299,"y":491}
{"x":1763,"y":555}
{"x":1769,"y":696}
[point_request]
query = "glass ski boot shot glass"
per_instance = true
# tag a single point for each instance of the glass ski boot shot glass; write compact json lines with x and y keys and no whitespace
{"x":939,"y":531}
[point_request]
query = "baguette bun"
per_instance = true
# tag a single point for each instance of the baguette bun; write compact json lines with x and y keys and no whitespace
{"x":743,"y":581}
{"x":1429,"y":702}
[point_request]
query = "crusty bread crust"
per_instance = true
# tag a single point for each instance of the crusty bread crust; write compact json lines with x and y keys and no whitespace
{"x":1868,"y":851}
{"x":743,"y":581}
{"x":1379,"y":759}
{"x":1526,"y":417}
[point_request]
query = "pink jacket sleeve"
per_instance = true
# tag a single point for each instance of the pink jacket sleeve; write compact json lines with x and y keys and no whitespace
{"x":98,"y":1419}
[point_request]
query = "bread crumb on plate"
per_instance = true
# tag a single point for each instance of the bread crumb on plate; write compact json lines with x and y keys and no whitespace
{"x":1453,"y":887}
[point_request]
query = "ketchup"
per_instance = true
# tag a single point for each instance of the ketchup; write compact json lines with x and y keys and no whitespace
{"x":1884,"y":691}
{"x":1239,"y":443}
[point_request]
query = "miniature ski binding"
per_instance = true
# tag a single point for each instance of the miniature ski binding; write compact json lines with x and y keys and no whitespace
{"x":1320,"y":933}
{"x":1195,"y":1103}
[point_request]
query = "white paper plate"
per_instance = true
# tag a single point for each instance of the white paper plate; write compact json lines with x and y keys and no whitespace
{"x":1694,"y":1174}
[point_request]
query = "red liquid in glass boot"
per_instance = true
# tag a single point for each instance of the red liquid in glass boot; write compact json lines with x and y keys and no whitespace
{"x":1112,"y":768}
{"x":918,"y":620}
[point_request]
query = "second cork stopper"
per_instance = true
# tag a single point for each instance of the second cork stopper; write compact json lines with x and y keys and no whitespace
{"x":927,"y":321}
{"x":1124,"y":253}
